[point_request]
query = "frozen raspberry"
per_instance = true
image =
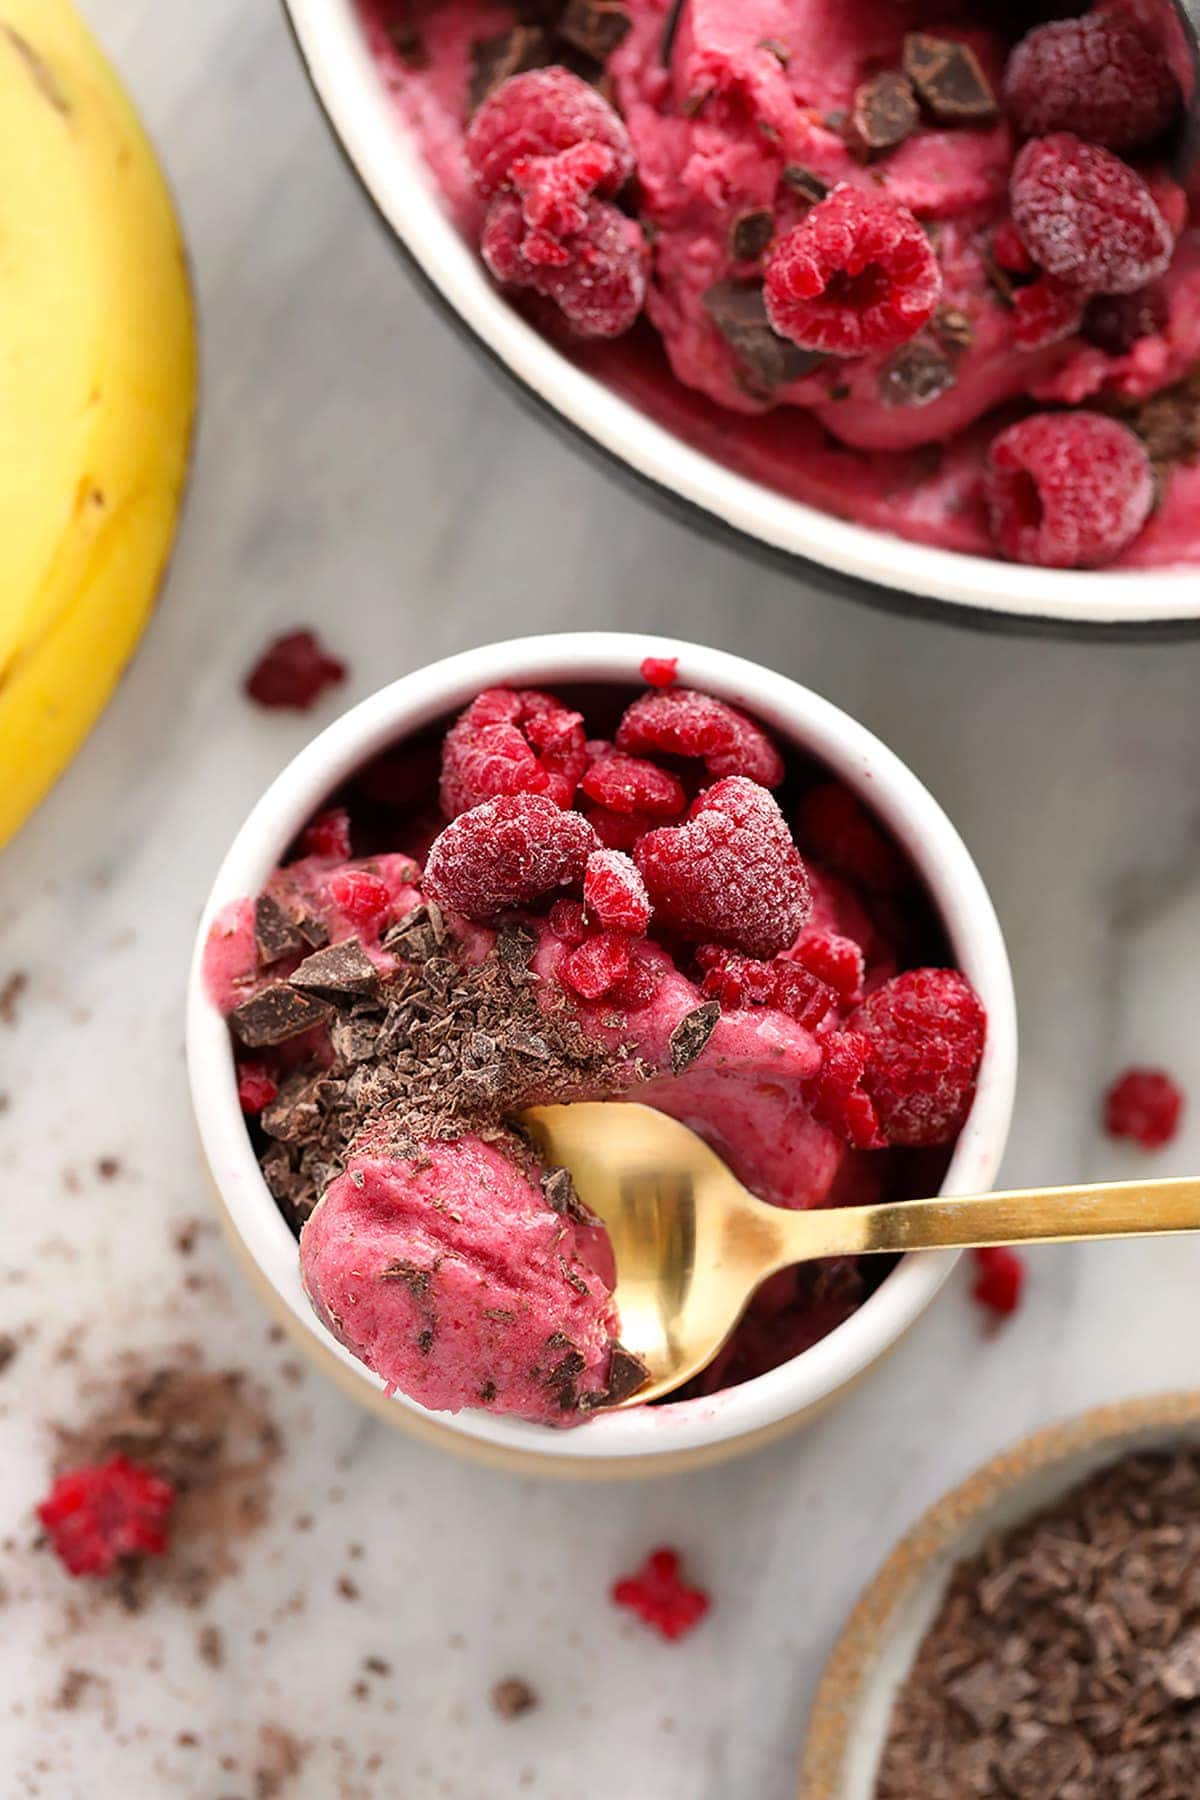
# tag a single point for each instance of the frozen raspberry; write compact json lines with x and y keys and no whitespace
{"x":97,"y":1515}
{"x":512,"y":741}
{"x":540,"y":114}
{"x":1145,"y":1105}
{"x":658,"y":1594}
{"x":835,"y":960}
{"x":630,"y":784}
{"x":554,"y":193}
{"x":679,"y":722}
{"x":1095,"y":76}
{"x":256,"y":1087}
{"x":801,"y":994}
{"x":1046,"y":312}
{"x":614,"y":892}
{"x":568,"y":921}
{"x":999,"y":1279}
{"x":328,"y":835}
{"x":736,"y":981}
{"x":731,"y":874}
{"x":595,"y":277}
{"x":362,"y":896}
{"x":506,"y":852}
{"x":619,"y":831}
{"x":856,"y":275}
{"x":836,"y":1093}
{"x":1116,"y":322}
{"x":1008,"y":250}
{"x":925,"y":1029}
{"x":596,"y":966}
{"x":660,"y":671}
{"x":1087,"y":217}
{"x":837,"y":831}
{"x":293,"y":672}
{"x":1067,"y":490}
{"x":640,"y":985}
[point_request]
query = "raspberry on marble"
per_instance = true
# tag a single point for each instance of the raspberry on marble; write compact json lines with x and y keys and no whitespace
{"x":681,"y":722}
{"x":293,"y":672}
{"x":1087,"y":217}
{"x":507,"y":852}
{"x":1145,"y":1105}
{"x":101,"y":1514}
{"x":1067,"y":490}
{"x":659,"y":1595}
{"x":999,"y":1279}
{"x":1096,"y":76}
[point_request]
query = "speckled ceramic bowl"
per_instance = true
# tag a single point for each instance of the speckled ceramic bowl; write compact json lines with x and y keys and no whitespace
{"x":648,"y":1439}
{"x":854,"y":1702}
{"x":869,"y":565}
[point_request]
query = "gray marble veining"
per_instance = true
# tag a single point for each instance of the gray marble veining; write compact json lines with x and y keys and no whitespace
{"x":357,"y":469}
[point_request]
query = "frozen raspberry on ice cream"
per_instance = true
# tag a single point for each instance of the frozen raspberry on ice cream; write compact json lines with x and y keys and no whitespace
{"x":507,"y":852}
{"x":1067,"y":490}
{"x":1096,"y":76}
{"x":1087,"y":217}
{"x":512,"y":741}
{"x":680,"y":722}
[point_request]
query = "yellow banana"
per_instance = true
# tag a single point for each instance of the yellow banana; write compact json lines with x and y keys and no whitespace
{"x":97,"y":386}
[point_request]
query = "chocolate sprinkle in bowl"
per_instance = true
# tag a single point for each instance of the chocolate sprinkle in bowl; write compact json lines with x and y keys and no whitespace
{"x":1037,"y":1633}
{"x":643,"y":1440}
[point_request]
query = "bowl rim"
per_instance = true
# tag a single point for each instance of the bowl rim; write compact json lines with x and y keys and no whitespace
{"x":875,"y":566}
{"x":801,"y":718}
{"x":942,"y":1535}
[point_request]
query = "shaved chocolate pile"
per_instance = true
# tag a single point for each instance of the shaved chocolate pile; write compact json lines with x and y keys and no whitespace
{"x":1065,"y":1661}
{"x":442,"y":1047}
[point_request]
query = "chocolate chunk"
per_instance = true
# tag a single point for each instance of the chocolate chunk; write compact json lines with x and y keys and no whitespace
{"x":916,"y":375}
{"x":294,"y":1115}
{"x":884,"y":113}
{"x":404,"y":35}
{"x":512,"y":1697}
{"x":344,"y":970}
{"x":275,"y":1014}
{"x":562,"y":1197}
{"x":804,"y":182}
{"x":953,"y":328}
{"x":779,"y":51}
{"x":691,"y":1034}
{"x":740,"y":315}
{"x":670,"y":30}
{"x":949,"y":80}
{"x":597,"y":27}
{"x":275,"y":936}
{"x":354,"y":1040}
{"x":1169,"y":423}
{"x":513,"y":949}
{"x":528,"y":1043}
{"x":752,"y":232}
{"x":495,"y":59}
{"x":1116,"y":322}
{"x":626,"y":1374}
{"x":312,"y":930}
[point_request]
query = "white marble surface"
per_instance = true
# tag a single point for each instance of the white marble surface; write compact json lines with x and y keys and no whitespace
{"x":356,"y":469}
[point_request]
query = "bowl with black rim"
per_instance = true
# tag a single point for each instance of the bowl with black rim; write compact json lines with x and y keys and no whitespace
{"x":825,"y":552}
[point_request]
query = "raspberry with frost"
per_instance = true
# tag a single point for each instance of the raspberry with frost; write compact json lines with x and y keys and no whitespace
{"x":568,"y":921}
{"x":1067,"y":490}
{"x":614,"y":893}
{"x":512,"y":741}
{"x":363,"y":897}
{"x":631,"y":784}
{"x":925,"y":1031}
{"x":1087,"y":217}
{"x":597,"y":965}
{"x":640,"y":984}
{"x":293,"y":672}
{"x":857,"y":275}
{"x":541,"y":113}
{"x":1000,"y":1277}
{"x":328,"y":835}
{"x":836,"y":1094}
{"x":731,"y":875}
{"x":1096,"y":76}
{"x":256,"y":1087}
{"x":620,"y":831}
{"x":1008,"y":251}
{"x":1145,"y":1105}
{"x":595,"y":276}
{"x":681,"y":722}
{"x":507,"y":852}
{"x":1046,"y":312}
{"x":837,"y":831}
{"x":100,"y":1514}
{"x":743,"y":981}
{"x":835,"y":960}
{"x":659,"y":1595}
{"x":659,"y":671}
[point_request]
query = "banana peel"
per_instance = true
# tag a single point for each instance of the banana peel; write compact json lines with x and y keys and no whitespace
{"x":97,"y":391}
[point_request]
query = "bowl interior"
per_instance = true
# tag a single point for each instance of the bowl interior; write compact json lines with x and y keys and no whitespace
{"x":854,"y":1703}
{"x":387,"y":159}
{"x":797,"y":717}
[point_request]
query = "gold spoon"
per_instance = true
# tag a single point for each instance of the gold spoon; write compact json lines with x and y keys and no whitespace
{"x":691,"y":1244}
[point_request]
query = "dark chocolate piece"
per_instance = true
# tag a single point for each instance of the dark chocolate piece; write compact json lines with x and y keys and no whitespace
{"x":1169,"y":423}
{"x":597,"y":27}
{"x":294,"y":1116}
{"x":626,"y":1374}
{"x":512,"y":1697}
{"x":949,"y":80}
{"x":670,"y":30}
{"x":884,"y":113}
{"x":916,"y":375}
{"x":778,"y":50}
{"x":404,"y":35}
{"x":562,"y":1197}
{"x":507,"y":53}
{"x":953,"y":329}
{"x":342,"y":971}
{"x":275,"y":935}
{"x":691,"y":1034}
{"x":354,"y":1040}
{"x":275,"y":1014}
{"x":752,"y":232}
{"x":804,"y":182}
{"x":770,"y":361}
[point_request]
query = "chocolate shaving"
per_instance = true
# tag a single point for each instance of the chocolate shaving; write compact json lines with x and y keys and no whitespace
{"x":953,"y":329}
{"x":562,"y":1197}
{"x":916,"y":375}
{"x":275,"y":1014}
{"x":1169,"y":424}
{"x":949,"y":80}
{"x":884,"y":113}
{"x":803,"y":181}
{"x":691,"y":1034}
{"x":597,"y":27}
{"x":507,"y":53}
{"x":670,"y":30}
{"x":778,"y":50}
{"x":343,"y":971}
{"x":295,"y":1112}
{"x":769,"y":361}
{"x":751,"y":233}
{"x":275,"y":936}
{"x":512,"y":1697}
{"x":416,"y":1280}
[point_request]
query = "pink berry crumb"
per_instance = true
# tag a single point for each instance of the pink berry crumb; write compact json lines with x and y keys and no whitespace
{"x":100,"y":1514}
{"x":1067,"y":490}
{"x":293,"y":672}
{"x":1145,"y":1105}
{"x":1096,"y":76}
{"x":507,"y":852}
{"x":1087,"y":217}
{"x":659,"y":1595}
{"x":660,"y":671}
{"x":857,"y":275}
{"x":999,"y":1279}
{"x":256,"y":1087}
{"x":614,"y":893}
{"x":925,"y":1029}
{"x":680,"y":722}
{"x":363,"y":897}
{"x":512,"y":741}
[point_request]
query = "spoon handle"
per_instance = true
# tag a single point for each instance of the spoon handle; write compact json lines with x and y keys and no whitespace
{"x":1027,"y":1215}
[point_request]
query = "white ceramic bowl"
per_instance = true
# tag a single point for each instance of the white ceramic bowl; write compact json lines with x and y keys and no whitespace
{"x":872,"y":565}
{"x":650,"y":1438}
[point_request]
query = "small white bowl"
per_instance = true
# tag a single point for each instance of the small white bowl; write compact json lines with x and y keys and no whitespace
{"x":870,"y":1662}
{"x":649,"y":1439}
{"x":872,"y":565}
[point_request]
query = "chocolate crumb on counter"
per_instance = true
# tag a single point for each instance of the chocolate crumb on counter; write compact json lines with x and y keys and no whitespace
{"x":512,"y":1697}
{"x":9,"y":1349}
{"x":949,"y":80}
{"x":11,"y":991}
